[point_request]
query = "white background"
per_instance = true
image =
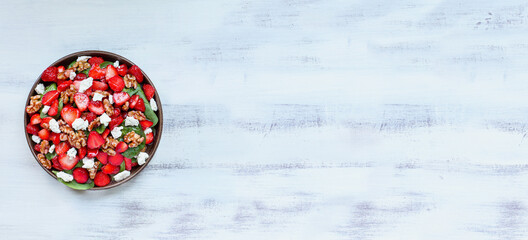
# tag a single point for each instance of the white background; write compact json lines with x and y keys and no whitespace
{"x":288,"y":119}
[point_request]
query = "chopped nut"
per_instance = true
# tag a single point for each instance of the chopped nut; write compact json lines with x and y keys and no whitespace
{"x":67,"y":95}
{"x":109,"y":109}
{"x":45,"y":126}
{"x":137,"y":115}
{"x":81,"y":66}
{"x":77,"y":139}
{"x":34,"y":104}
{"x":93,"y":170}
{"x":61,"y":76}
{"x":44,"y":146}
{"x":133,"y":139}
{"x":109,"y":146}
{"x":125,"y":106}
{"x":95,"y":123}
{"x":45,"y":162}
{"x":130,"y":81}
{"x":109,"y":151}
{"x":65,"y":128}
{"x":63,"y":137}
{"x":104,"y":93}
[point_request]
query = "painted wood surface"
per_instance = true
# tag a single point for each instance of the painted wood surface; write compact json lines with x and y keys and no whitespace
{"x":289,"y":119}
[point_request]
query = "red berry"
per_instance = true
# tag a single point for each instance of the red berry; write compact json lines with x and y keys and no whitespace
{"x":110,"y":169}
{"x":97,"y":85}
{"x":121,"y":147}
{"x":32,"y":129}
{"x":115,"y":160}
{"x":48,"y":98}
{"x":55,"y":163}
{"x":81,"y":100}
{"x":90,"y":116}
{"x":54,"y":109}
{"x":64,"y":85}
{"x":67,"y":162}
{"x":117,"y":112}
{"x":96,"y":72}
{"x":44,"y":134}
{"x":149,"y":138}
{"x":94,"y":140}
{"x":134,"y":70}
{"x":69,"y":114}
{"x":96,"y":107}
{"x":101,"y":179}
{"x":62,"y":147}
{"x":45,"y":121}
{"x":145,"y":124}
{"x":110,"y":72}
{"x":91,"y":153}
{"x":149,"y":91}
{"x":35,"y":119}
{"x":140,"y":106}
{"x":105,"y":133}
{"x":81,"y":152}
{"x":133,"y":101}
{"x":115,"y":122}
{"x":60,"y":69}
{"x":122,"y":70}
{"x":80,"y":175}
{"x":54,"y":137}
{"x":50,"y":74}
{"x":128,"y":164}
{"x":134,"y":164}
{"x":37,"y":147}
{"x":102,"y":157}
{"x":95,"y":61}
{"x":80,"y":76}
{"x":120,"y":98}
{"x":116,"y":83}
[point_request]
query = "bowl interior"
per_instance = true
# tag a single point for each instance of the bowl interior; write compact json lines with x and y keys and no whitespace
{"x":107,"y":56}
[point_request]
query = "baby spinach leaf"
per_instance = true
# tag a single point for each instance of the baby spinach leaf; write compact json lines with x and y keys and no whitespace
{"x":61,"y":105}
{"x":104,"y":64}
{"x":86,"y":72}
{"x":71,"y":64}
{"x":130,"y":91}
{"x":51,"y":87}
{"x":122,"y":167}
{"x":49,"y":156}
{"x":75,"y":185}
{"x":149,"y":113}
{"x":100,"y":129}
{"x":42,"y":114}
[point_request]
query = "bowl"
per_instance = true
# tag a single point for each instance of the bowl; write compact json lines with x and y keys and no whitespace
{"x":107,"y":56}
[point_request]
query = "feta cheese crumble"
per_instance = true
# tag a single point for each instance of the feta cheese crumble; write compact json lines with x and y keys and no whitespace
{"x":122,"y":175}
{"x":148,"y":130}
{"x":116,"y":132}
{"x":153,"y":104}
{"x":111,"y":99}
{"x":35,"y":139}
{"x":97,"y":97}
{"x":130,"y":121}
{"x":88,"y":162}
{"x":105,"y":119}
{"x":54,"y":126}
{"x":72,"y":152}
{"x":45,"y":109}
{"x":65,"y":176}
{"x":51,"y":149}
{"x":85,"y":84}
{"x":40,"y":88}
{"x":142,"y":158}
{"x":83,"y":58}
{"x":79,"y":124}
{"x":72,"y":75}
{"x":116,"y":64}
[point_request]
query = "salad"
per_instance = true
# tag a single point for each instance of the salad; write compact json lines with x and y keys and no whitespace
{"x":91,"y":121}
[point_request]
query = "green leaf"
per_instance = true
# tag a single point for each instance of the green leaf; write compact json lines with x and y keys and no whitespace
{"x":75,"y":185}
{"x":100,"y":129}
{"x":149,"y":113}
{"x":86,"y":72}
{"x":130,"y":91}
{"x":132,"y":152}
{"x":49,"y":156}
{"x":105,"y":64}
{"x":42,"y":114}
{"x":71,"y":64}
{"x":61,"y":105}
{"x":51,"y":87}
{"x":122,"y":167}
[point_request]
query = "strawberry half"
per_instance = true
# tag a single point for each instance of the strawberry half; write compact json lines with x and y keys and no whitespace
{"x":80,"y":175}
{"x":110,"y":169}
{"x":95,"y":61}
{"x":110,"y":72}
{"x":44,"y":134}
{"x":62,"y":147}
{"x":91,"y":153}
{"x":54,"y":109}
{"x":101,"y":179}
{"x":128,"y":164}
{"x":115,"y":160}
{"x":149,"y":138}
{"x":102,"y":157}
{"x":97,"y":85}
{"x":54,"y":137}
{"x":67,"y":162}
{"x":90,"y":116}
{"x":96,"y":107}
{"x":116,"y":83}
{"x":115,"y":122}
{"x":50,"y":74}
{"x":149,"y":91}
{"x":105,"y":133}
{"x":35,"y":119}
{"x":122,"y":70}
{"x":117,"y":112}
{"x":55,"y":163}
{"x":60,"y":69}
{"x":133,"y":101}
{"x":32,"y":129}
{"x":80,"y":76}
{"x":120,"y":98}
{"x":94,"y":140}
{"x":121,"y":147}
{"x":37,"y":147}
{"x":145,"y":124}
{"x":81,"y":100}
{"x":49,"y":97}
{"x":81,"y":152}
{"x":69,"y":114}
{"x":140,"y":106}
{"x":134,"y":70}
{"x":64,"y":85}
{"x":96,"y":72}
{"x":45,"y":121}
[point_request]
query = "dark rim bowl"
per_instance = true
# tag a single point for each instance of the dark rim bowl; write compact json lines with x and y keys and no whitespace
{"x":107,"y":56}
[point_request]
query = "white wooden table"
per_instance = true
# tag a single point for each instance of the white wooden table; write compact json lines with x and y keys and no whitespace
{"x":289,"y":119}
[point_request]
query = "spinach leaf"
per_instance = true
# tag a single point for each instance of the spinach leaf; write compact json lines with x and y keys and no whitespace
{"x":49,"y":156}
{"x":61,"y":105}
{"x":71,"y":64}
{"x":132,"y":152}
{"x":122,"y":167}
{"x":86,"y":72}
{"x":130,"y":91}
{"x":100,"y":129}
{"x":105,"y":64}
{"x":51,"y":87}
{"x":149,"y":113}
{"x":75,"y":185}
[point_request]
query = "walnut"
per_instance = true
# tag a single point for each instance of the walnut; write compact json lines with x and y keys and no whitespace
{"x":137,"y":115}
{"x":81,"y":66}
{"x":104,"y":93}
{"x":109,"y":109}
{"x":61,"y":76}
{"x":109,"y":145}
{"x":45,"y":162}
{"x":34,"y":104}
{"x":125,"y":106}
{"x":63,"y":137}
{"x":130,"y":81}
{"x":109,"y":151}
{"x":65,"y":128}
{"x":44,"y":146}
{"x":95,"y":123}
{"x":45,"y":126}
{"x":77,"y":139}
{"x":67,"y":95}
{"x":93,"y":170}
{"x":133,"y":139}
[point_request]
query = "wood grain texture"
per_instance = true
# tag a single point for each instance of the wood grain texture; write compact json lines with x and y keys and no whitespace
{"x":292,"y":119}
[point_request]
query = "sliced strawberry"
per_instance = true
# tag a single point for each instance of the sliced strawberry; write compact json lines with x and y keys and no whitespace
{"x":50,"y":74}
{"x":48,"y":98}
{"x":102,"y":157}
{"x":35,"y":119}
{"x":32,"y":129}
{"x":96,"y":72}
{"x":54,"y":137}
{"x":110,"y":72}
{"x":62,"y":147}
{"x":81,"y":100}
{"x":133,"y":101}
{"x":54,"y":109}
{"x":122,"y":70}
{"x":44,"y":123}
{"x":91,"y":153}
{"x":95,"y":61}
{"x":60,"y":69}
{"x":116,"y":83}
{"x":145,"y":124}
{"x":117,"y":112}
{"x":64,"y":85}
{"x":121,"y":147}
{"x":149,"y":91}
{"x":69,"y":114}
{"x":90,"y":116}
{"x":110,"y":169}
{"x":55,"y":163}
{"x":81,"y":152}
{"x":88,"y":92}
{"x":105,"y":133}
{"x":149,"y":138}
{"x":134,"y":164}
{"x":77,"y":85}
{"x":115,"y":160}
{"x":94,"y":140}
{"x":134,"y":70}
{"x":37,"y":147}
{"x":124,"y":114}
{"x":140,"y":106}
{"x":120,"y":98}
{"x":44,"y":134}
{"x":80,"y":76}
{"x":115,"y":122}
{"x":98,"y":85}
{"x":101,"y":179}
{"x":96,"y":107}
{"x":67,"y":162}
{"x":128,"y":164}
{"x":80,"y":175}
